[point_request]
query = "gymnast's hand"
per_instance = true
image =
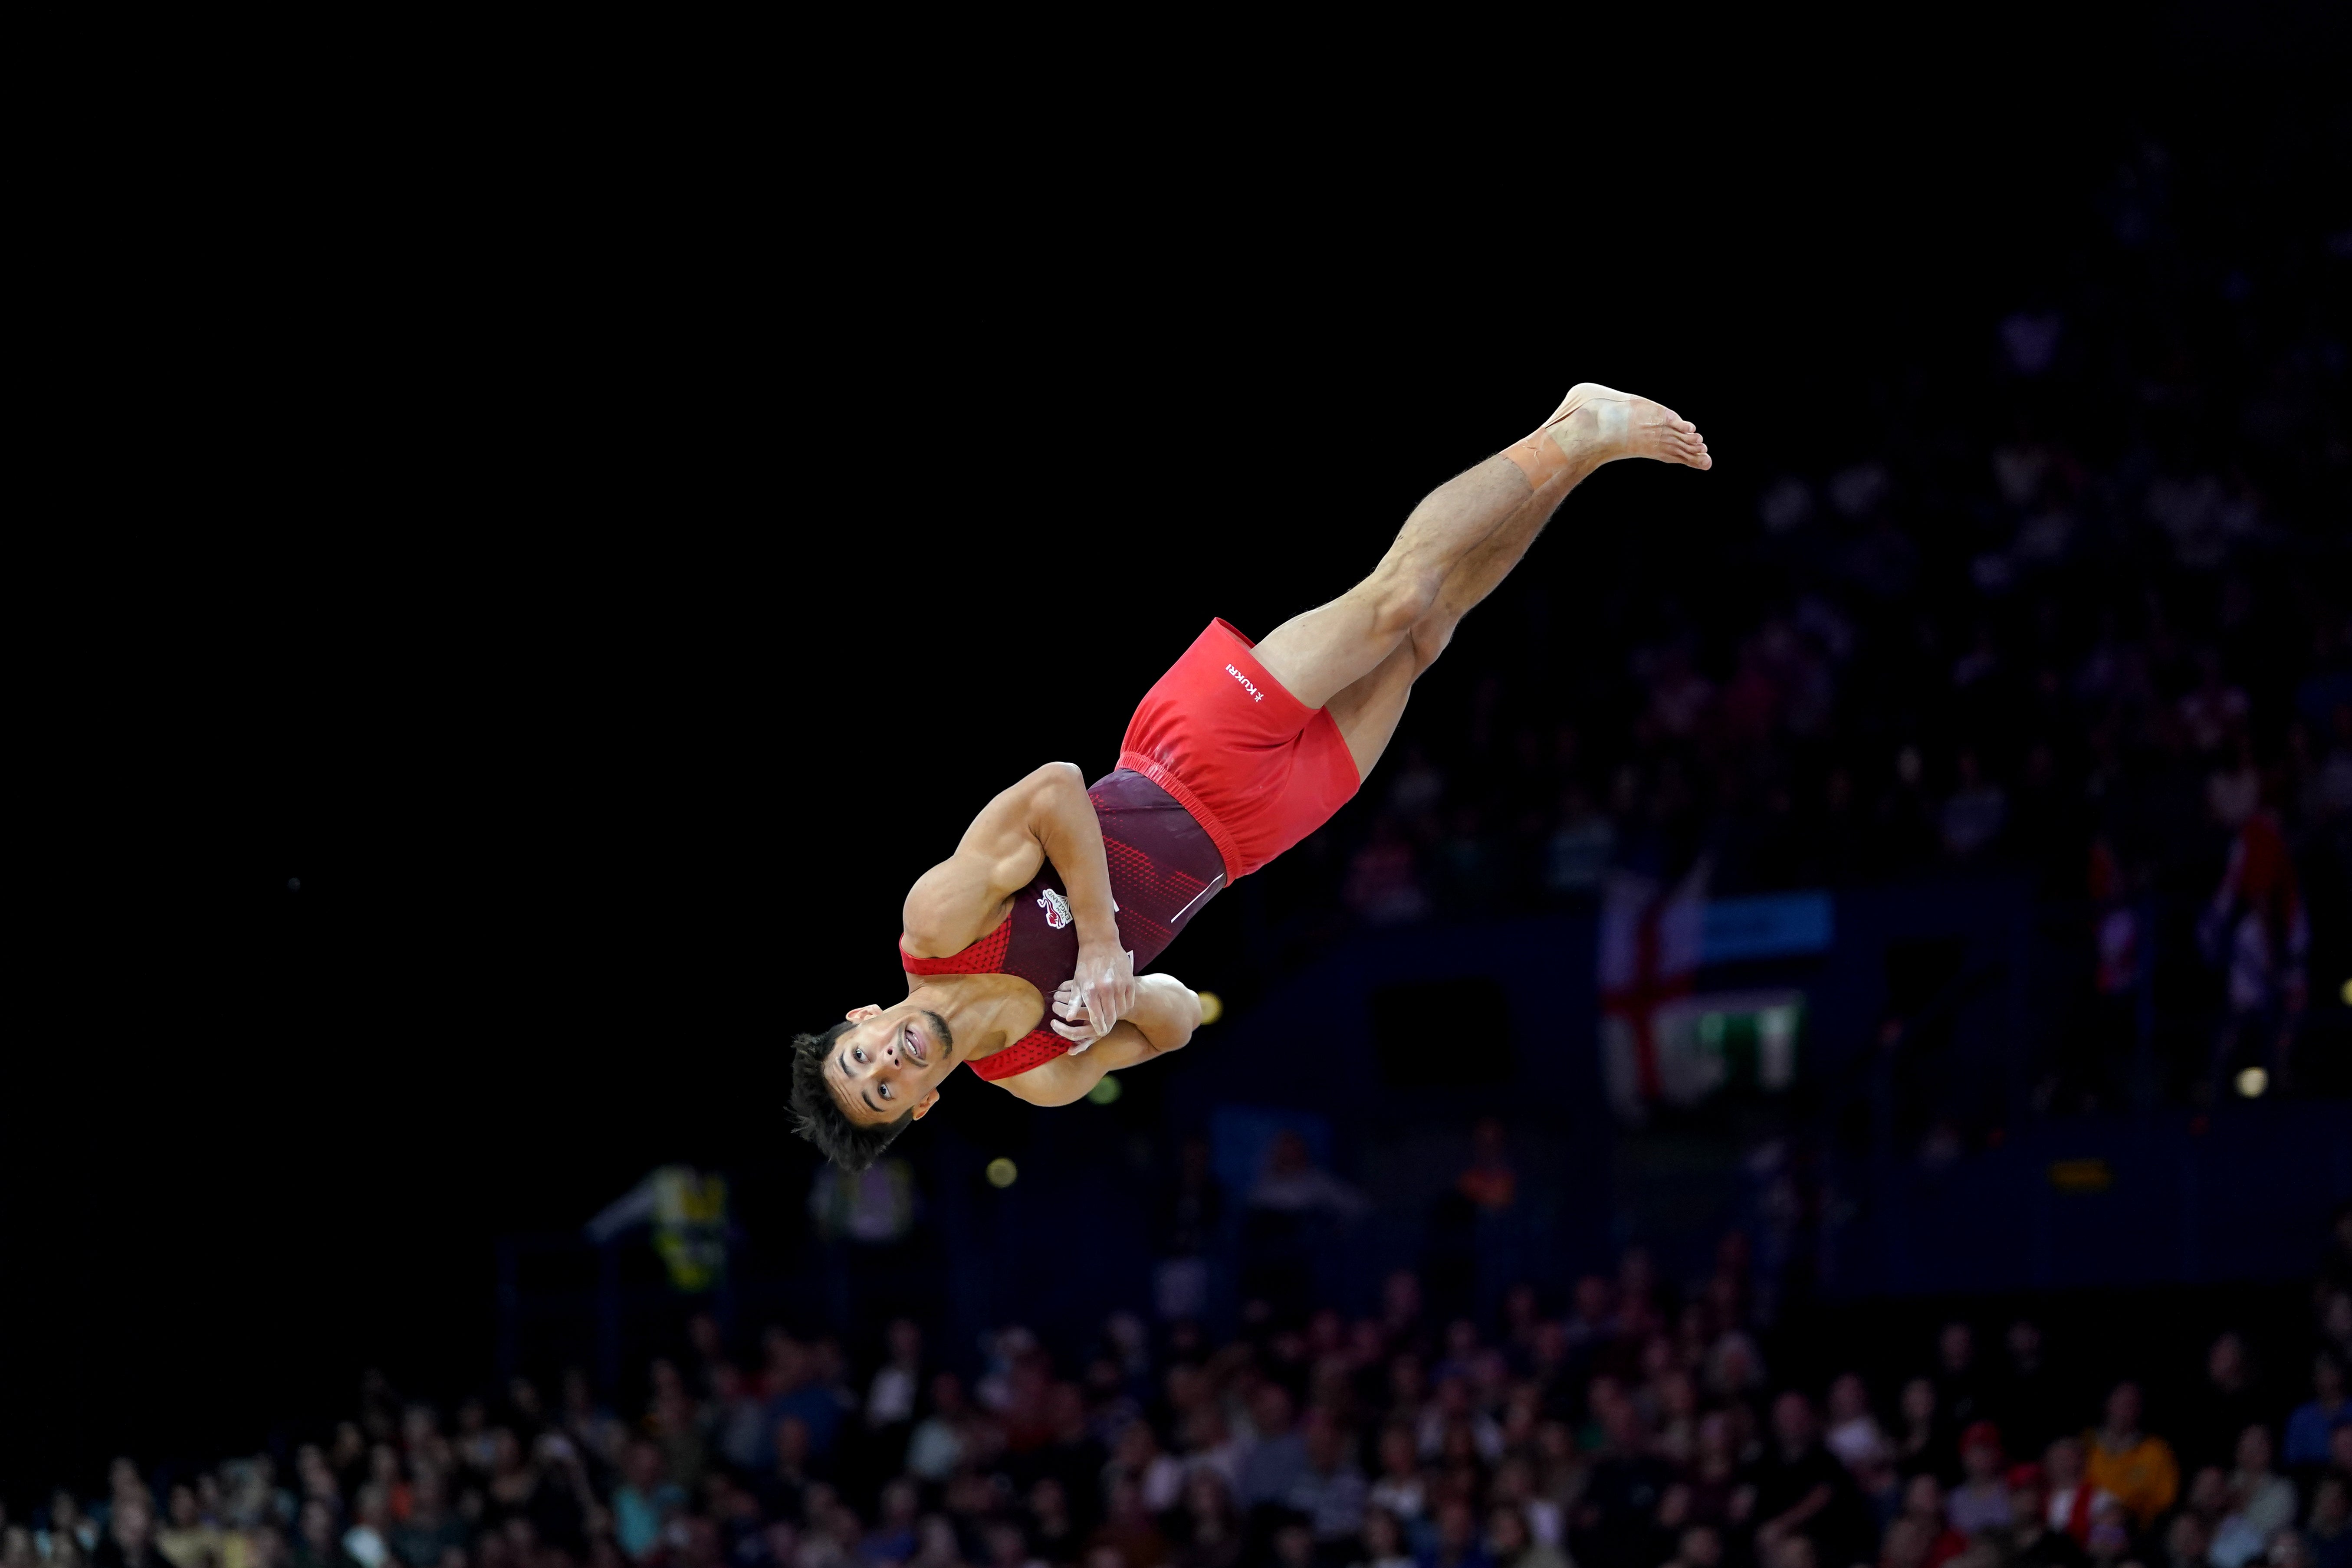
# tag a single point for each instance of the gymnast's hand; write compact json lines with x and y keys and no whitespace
{"x":1070,"y":1019}
{"x":1106,"y":982}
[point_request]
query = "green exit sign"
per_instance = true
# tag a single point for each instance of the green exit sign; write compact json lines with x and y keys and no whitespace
{"x":1729,"y":1040}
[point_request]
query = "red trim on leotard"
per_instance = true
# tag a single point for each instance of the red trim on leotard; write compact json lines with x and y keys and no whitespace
{"x":1035,"y":1049}
{"x":985,"y":956}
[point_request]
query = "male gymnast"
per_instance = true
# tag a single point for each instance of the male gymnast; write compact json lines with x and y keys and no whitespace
{"x":1059,"y":891}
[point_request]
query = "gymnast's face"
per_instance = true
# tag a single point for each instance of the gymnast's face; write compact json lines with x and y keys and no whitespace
{"x":891,"y":1063}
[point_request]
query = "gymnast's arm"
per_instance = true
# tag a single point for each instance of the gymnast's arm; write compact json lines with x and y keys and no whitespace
{"x":1045,"y":815}
{"x":1165,"y":1014}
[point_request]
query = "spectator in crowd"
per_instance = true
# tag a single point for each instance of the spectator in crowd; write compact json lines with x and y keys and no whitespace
{"x":2187,"y":1542}
{"x":1186,"y":1218}
{"x":189,"y":1540}
{"x":1923,"y":1514}
{"x":2028,"y":1403}
{"x":1158,"y":1475}
{"x":645,"y":1498}
{"x":1980,"y":1503}
{"x":2227,"y":1401}
{"x":315,"y":1544}
{"x":785,"y":1488}
{"x":1384,"y":885}
{"x":2111,"y":1537}
{"x":1880,"y":1486}
{"x":1330,"y":1492}
{"x":1276,"y":1461}
{"x":2136,"y":1466}
{"x":1209,"y":1532}
{"x":1853,"y":1435}
{"x":2032,"y":1541}
{"x":1457,"y":1542}
{"x":2308,"y":1428}
{"x":1292,"y":1183}
{"x":2336,"y":1266}
{"x":893,"y":1537}
{"x":1399,"y":1491}
{"x":1925,"y":1443}
{"x":1383,"y":1544}
{"x":1622,"y":1491}
{"x":130,"y":1538}
{"x":1699,"y":1546}
{"x":1054,"y":1534}
{"x":1131,"y":1527}
{"x":2329,"y":1532}
{"x":1905,"y":1544}
{"x":740,"y":1428}
{"x":368,"y":1541}
{"x":1975,"y":813}
{"x":1489,"y":1180}
{"x":1293,"y":1545}
{"x":2207,"y":1498}
{"x":1515,"y":1487}
{"x":431,"y":1530}
{"x":939,"y":1440}
{"x":1801,"y":1490}
{"x":2258,"y":1493}
{"x":1510,"y":1544}
{"x":890,"y":1395}
{"x":2074,"y":1502}
{"x":2336,"y":1324}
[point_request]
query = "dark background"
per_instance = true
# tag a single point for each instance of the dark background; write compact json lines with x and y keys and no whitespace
{"x":604,"y":595}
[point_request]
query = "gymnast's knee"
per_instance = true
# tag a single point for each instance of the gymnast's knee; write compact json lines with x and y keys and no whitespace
{"x":1402,"y":600}
{"x":1429,"y":636}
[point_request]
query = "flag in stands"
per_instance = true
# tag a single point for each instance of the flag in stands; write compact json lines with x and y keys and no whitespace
{"x":1650,"y":941}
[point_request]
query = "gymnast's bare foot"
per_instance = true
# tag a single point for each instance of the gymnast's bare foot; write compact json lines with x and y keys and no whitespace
{"x":1599,"y":424}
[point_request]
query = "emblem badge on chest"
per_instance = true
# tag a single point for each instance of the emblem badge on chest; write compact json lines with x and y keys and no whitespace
{"x":1057,"y":908}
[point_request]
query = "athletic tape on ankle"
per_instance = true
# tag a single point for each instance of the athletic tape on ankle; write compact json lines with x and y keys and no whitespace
{"x":1538,"y":458}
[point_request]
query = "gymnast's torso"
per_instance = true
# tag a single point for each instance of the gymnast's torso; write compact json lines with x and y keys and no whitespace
{"x":1165,"y":869}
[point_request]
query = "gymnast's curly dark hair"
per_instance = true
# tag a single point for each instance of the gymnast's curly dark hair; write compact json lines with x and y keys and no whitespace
{"x":817,"y":1116}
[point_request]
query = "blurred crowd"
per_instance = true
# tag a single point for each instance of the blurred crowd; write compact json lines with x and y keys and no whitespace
{"x":1634,"y":1426}
{"x":2076,"y":604}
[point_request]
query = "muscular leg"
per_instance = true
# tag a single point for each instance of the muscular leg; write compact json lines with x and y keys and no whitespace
{"x":1366,"y":711}
{"x":1322,"y":652}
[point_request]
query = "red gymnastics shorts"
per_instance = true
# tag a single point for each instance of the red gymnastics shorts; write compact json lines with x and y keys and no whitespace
{"x":1254,"y":765}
